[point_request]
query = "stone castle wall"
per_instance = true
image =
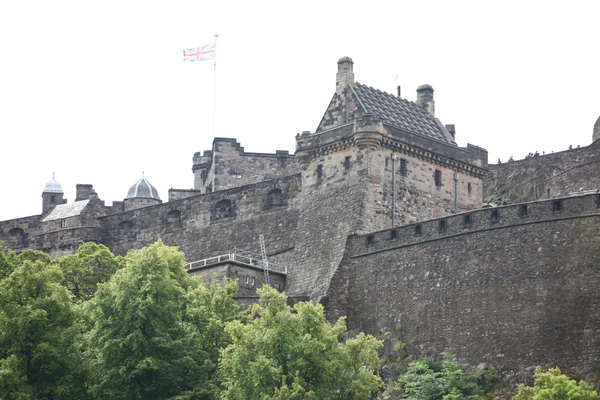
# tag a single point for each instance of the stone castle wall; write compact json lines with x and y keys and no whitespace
{"x":201,"y":229}
{"x":228,"y":166}
{"x":545,"y":176}
{"x":509,"y":286}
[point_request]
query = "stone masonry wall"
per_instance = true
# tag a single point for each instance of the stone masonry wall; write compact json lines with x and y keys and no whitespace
{"x":231,"y":166}
{"x":513,"y":288}
{"x":545,"y":176}
{"x":200,"y":230}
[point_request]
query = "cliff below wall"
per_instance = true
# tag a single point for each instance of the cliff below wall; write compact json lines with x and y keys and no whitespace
{"x":546,"y":176}
{"x":514,"y":292}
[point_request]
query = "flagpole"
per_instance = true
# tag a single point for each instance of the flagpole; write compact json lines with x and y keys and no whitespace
{"x":215,"y":92}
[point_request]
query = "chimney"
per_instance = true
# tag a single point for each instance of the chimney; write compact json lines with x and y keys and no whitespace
{"x":398,"y":89}
{"x":83,"y":191}
{"x":345,"y":76}
{"x":450,"y":128}
{"x":425,"y":98}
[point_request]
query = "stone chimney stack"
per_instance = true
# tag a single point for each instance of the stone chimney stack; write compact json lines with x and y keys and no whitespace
{"x":345,"y":76}
{"x":425,"y":98}
{"x":596,"y":130}
{"x":452,"y":129}
{"x":398,"y":89}
{"x":82,"y":191}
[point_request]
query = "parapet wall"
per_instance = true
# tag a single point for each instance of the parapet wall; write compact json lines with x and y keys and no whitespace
{"x":213,"y":223}
{"x":511,"y":290}
{"x":545,"y":176}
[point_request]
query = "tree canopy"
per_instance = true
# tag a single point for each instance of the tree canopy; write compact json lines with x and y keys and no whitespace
{"x":554,"y":385}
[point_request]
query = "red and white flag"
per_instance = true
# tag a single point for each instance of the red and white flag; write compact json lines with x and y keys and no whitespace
{"x":203,"y":53}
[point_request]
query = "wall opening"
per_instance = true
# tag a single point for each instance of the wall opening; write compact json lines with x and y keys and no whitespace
{"x":418,"y":229}
{"x":467,"y":220}
{"x":495,"y":215}
{"x":443,"y":224}
{"x":523,"y":210}
{"x":223,"y":209}
{"x":347,"y":163}
{"x":319,"y":172}
{"x":274,"y":198}
{"x":403,"y":167}
{"x":437,"y":177}
{"x":63,"y":223}
{"x":370,"y":240}
{"x":557,"y":206}
{"x":173,"y":219}
{"x":469,"y":188}
{"x":393,"y":235}
{"x":598,"y":200}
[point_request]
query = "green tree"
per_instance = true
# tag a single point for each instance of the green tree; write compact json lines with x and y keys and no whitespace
{"x":38,"y":333}
{"x":553,"y":385}
{"x":155,"y":330}
{"x":91,"y":265}
{"x":293,"y":353}
{"x":430,"y":379}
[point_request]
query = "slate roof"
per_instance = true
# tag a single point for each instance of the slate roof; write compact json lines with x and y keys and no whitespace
{"x":399,"y":112}
{"x":66,"y":210}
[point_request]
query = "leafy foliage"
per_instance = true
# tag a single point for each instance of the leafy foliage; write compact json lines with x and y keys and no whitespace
{"x":91,"y":265}
{"x":157,"y":332}
{"x":293,"y":353}
{"x":553,"y":385}
{"x":429,"y":379}
{"x":38,"y":333}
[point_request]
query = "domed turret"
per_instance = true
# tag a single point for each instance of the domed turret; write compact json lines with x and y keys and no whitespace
{"x":52,"y":195}
{"x":141,"y":194}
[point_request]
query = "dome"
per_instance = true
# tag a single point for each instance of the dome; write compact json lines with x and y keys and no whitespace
{"x":142,"y":189}
{"x":424,"y":87}
{"x":345,"y":60}
{"x":53,"y":186}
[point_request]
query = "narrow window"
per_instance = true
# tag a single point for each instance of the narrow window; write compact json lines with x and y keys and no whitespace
{"x":557,"y":206}
{"x":467,"y":220}
{"x":438,"y":178}
{"x":52,"y":199}
{"x":252,"y":281}
{"x":370,"y":240}
{"x":523,"y":210}
{"x":247,"y":279}
{"x":495,"y":215}
{"x":418,"y":229}
{"x":319,"y":171}
{"x":282,"y":162}
{"x":442,"y":225}
{"x":393,"y":235}
{"x":469,"y":188}
{"x":63,"y":223}
{"x":403,"y":167}
{"x":347,"y":163}
{"x":387,"y":161}
{"x":598,"y":200}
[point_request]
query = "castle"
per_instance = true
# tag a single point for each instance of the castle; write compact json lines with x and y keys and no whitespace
{"x":379,"y":216}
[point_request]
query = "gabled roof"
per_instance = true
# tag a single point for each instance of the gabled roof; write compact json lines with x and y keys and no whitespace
{"x":66,"y":210}
{"x":400,"y":113}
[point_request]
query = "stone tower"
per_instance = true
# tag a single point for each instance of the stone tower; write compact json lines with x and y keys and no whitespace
{"x":52,"y":195}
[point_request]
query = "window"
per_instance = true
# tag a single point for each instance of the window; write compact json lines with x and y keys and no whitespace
{"x":495,"y":215}
{"x":282,"y":162}
{"x":523,"y":210}
{"x":393,"y":235}
{"x":557,"y":206}
{"x":443,"y":224}
{"x":418,"y":229}
{"x":469,"y":188}
{"x":252,"y":281}
{"x":347,"y":163}
{"x":63,"y":223}
{"x":403,"y":167}
{"x":467,"y":220}
{"x":438,"y":178}
{"x":247,"y":279}
{"x":598,"y":200}
{"x":370,"y":240}
{"x":387,"y":162}
{"x":319,"y":172}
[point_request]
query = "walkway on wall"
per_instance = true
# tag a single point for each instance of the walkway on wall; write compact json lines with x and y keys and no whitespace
{"x":242,"y":257}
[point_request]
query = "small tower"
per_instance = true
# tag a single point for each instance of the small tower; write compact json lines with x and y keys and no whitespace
{"x":141,"y":194}
{"x":425,"y":98}
{"x":52,"y":195}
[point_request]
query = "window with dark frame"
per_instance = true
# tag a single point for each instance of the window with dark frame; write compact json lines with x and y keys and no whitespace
{"x":403,"y":167}
{"x":393,"y":235}
{"x":443,"y":224}
{"x":319,"y":171}
{"x":438,"y":178}
{"x":418,"y":229}
{"x":63,"y":223}
{"x":523,"y":210}
{"x":557,"y":206}
{"x":347,"y":163}
{"x":495,"y":215}
{"x":370,"y":240}
{"x":467,"y":220}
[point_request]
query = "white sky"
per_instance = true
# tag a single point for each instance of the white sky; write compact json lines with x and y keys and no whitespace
{"x":97,"y":92}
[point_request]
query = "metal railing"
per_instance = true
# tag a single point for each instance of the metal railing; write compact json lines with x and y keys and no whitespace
{"x":242,"y":257}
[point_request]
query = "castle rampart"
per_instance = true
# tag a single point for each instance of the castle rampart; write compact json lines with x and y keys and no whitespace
{"x":513,"y":292}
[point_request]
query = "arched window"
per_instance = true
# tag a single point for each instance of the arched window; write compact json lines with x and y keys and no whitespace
{"x":223,"y":209}
{"x":274,"y":199}
{"x":173,"y":219}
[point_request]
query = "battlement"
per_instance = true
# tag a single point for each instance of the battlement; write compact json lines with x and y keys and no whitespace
{"x":475,"y":221}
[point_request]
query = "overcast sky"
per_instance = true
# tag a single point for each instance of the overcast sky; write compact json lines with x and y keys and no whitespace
{"x":97,"y":91}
